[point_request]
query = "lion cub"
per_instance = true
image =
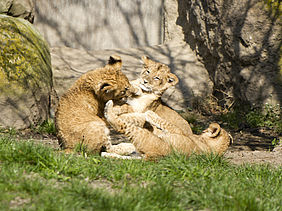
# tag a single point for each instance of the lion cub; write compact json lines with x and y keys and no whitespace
{"x":153,"y":81}
{"x":168,"y":137}
{"x":168,"y":131}
{"x":80,"y":113}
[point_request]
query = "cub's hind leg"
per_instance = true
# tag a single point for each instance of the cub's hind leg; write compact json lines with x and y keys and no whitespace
{"x":162,"y":124}
{"x":93,"y":135}
{"x":96,"y":136}
{"x":147,"y":143}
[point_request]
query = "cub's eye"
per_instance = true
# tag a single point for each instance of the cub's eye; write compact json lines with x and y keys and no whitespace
{"x":148,"y":71}
{"x":170,"y":80}
{"x":104,"y":86}
{"x":156,"y":78}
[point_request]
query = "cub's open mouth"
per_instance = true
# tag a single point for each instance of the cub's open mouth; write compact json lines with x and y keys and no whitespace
{"x":144,"y":88}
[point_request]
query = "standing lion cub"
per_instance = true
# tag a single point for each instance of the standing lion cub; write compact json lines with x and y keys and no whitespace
{"x":80,"y":113}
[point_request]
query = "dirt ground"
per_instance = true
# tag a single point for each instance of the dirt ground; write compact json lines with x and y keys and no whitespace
{"x":254,"y":147}
{"x":249,"y":146}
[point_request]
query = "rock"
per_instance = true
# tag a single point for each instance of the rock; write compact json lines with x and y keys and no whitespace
{"x":18,"y":8}
{"x":5,"y":6}
{"x":68,"y":64}
{"x":25,"y":74}
{"x":173,"y":33}
{"x":239,"y":42}
{"x":95,"y":25}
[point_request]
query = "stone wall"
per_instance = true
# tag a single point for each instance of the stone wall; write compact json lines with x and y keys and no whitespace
{"x":96,"y":24}
{"x":239,"y":42}
{"x":69,"y":64}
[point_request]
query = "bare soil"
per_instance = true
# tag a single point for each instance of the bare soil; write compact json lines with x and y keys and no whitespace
{"x":254,"y":147}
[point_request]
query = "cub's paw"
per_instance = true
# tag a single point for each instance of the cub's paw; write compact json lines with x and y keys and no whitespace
{"x":152,"y":118}
{"x":108,"y":108}
{"x":109,"y":105}
{"x":112,"y":111}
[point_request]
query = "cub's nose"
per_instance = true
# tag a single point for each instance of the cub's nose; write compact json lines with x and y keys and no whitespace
{"x":145,"y":81}
{"x":132,"y":90}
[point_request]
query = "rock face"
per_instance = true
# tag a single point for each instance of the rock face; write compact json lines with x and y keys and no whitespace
{"x":25,"y":74}
{"x":239,"y":43}
{"x":18,"y":8}
{"x":95,"y":25}
{"x":173,"y":33}
{"x":68,"y":64}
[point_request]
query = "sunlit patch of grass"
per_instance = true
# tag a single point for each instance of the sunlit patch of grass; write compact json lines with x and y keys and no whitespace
{"x":35,"y":177}
{"x":8,"y":131}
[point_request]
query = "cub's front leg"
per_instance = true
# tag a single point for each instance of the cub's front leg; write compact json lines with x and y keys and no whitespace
{"x":119,"y":120}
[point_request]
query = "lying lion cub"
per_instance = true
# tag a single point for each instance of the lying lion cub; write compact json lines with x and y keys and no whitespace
{"x":169,"y":138}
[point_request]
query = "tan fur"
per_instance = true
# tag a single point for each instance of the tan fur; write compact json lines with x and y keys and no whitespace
{"x":80,"y":113}
{"x":154,"y":80}
{"x":168,"y":137}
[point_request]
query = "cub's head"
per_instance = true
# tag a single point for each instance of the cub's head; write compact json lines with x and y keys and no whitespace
{"x":114,"y":85}
{"x":216,"y":138}
{"x":156,"y":77}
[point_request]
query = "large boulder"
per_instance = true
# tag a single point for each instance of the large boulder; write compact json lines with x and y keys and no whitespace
{"x":239,"y":42}
{"x":18,"y":8}
{"x":68,"y":64}
{"x":25,"y":74}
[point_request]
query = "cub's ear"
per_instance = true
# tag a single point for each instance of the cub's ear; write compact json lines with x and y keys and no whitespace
{"x":115,"y":61}
{"x":172,"y":79}
{"x":213,"y":130}
{"x":105,"y":87}
{"x":145,"y":60}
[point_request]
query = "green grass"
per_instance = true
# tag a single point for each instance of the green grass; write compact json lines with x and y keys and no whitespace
{"x":239,"y":117}
{"x":47,"y":127}
{"x":269,"y":116}
{"x":35,"y":177}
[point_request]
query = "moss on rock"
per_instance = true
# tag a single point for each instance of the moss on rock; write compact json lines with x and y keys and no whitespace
{"x":25,"y":74}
